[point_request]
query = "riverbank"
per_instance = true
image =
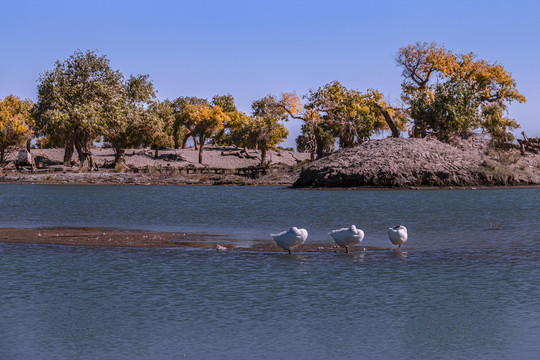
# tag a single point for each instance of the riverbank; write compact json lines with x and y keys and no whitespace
{"x":402,"y":163}
{"x":274,"y":176}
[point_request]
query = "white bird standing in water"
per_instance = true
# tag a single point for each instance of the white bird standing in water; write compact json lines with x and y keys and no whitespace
{"x":347,"y":237}
{"x":291,"y":238}
{"x":397,"y":235}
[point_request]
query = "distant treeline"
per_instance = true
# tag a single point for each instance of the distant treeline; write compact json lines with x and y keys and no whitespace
{"x":444,"y":93}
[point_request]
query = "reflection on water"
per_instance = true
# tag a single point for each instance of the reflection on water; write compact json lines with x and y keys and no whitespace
{"x":87,"y":303}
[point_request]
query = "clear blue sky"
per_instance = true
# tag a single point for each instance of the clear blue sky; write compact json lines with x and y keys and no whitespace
{"x":252,"y":48}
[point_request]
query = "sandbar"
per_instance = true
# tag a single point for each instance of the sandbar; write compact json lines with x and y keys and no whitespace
{"x":147,"y":239}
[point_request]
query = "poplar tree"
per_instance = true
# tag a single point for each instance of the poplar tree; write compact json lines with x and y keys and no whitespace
{"x":267,"y":130}
{"x":127,"y":117}
{"x":451,"y":94}
{"x":205,"y":120}
{"x":15,"y":120}
{"x":74,"y":101}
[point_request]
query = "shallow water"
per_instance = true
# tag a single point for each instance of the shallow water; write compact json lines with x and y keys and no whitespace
{"x":496,"y":218}
{"x":466,"y":286}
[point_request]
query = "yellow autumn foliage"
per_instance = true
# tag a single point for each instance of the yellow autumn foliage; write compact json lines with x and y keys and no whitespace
{"x":424,"y":62}
{"x":205,"y":120}
{"x":15,"y":119}
{"x":291,"y":102}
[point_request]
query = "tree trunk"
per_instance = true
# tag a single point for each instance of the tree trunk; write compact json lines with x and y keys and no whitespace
{"x":186,"y":139}
{"x":346,"y":142}
{"x":175,"y":139}
{"x":389,"y":121}
{"x":68,"y":153}
{"x":119,"y":156}
{"x":156,"y":152}
{"x":28,"y":145}
{"x":85,"y":156}
{"x":201,"y":149}
{"x":218,"y":137}
{"x":2,"y":154}
{"x":419,"y":131}
{"x":263,"y":156}
{"x":318,"y":143}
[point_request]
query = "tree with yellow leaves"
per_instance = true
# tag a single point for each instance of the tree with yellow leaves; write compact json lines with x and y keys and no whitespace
{"x":205,"y":121}
{"x":315,"y":137}
{"x":239,"y":129}
{"x":182,"y":128}
{"x":450,"y":94}
{"x":226,"y":102}
{"x":15,"y":120}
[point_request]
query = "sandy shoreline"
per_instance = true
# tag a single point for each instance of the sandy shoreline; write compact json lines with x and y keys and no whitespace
{"x":376,"y":164}
{"x":111,"y":178}
{"x":146,"y":239}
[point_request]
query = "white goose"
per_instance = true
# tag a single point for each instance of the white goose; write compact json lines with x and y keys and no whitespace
{"x":291,"y":238}
{"x":397,"y":235}
{"x":347,"y":237}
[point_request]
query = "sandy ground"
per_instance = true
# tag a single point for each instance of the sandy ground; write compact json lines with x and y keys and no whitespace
{"x":143,"y":239}
{"x":213,"y":157}
{"x":382,"y":163}
{"x":172,"y":167}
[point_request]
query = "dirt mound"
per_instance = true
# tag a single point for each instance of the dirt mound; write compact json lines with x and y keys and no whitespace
{"x":421,"y":162}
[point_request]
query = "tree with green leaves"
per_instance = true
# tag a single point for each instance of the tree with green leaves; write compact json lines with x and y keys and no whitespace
{"x":452,"y":109}
{"x":226,"y":103}
{"x":335,"y":112}
{"x":157,"y":123}
{"x":315,"y":140}
{"x":496,"y":124}
{"x":241,"y":132}
{"x":73,"y":98}
{"x":451,"y":94}
{"x":267,"y":130}
{"x":352,"y":116}
{"x":128,"y":116}
{"x":15,"y":123}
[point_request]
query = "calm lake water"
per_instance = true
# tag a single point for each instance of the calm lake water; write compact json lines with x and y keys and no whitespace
{"x":466,"y":286}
